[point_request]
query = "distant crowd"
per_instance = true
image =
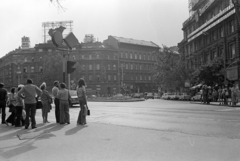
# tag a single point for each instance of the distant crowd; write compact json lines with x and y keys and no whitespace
{"x":24,"y":100}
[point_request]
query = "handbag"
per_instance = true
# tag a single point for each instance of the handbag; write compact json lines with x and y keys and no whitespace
{"x":88,"y":111}
{"x":39,"y":105}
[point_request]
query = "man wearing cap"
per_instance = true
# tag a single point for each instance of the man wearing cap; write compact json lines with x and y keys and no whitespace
{"x":3,"y":101}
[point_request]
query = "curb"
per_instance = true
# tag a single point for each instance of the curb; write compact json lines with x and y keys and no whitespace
{"x":214,"y":104}
{"x":131,"y":100}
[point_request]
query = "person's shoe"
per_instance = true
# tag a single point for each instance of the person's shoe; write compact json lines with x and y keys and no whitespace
{"x":6,"y":123}
{"x":68,"y":123}
{"x":34,"y":127}
{"x":3,"y":122}
{"x":47,"y":122}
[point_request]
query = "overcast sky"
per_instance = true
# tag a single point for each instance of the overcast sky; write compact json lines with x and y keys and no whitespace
{"x":159,"y":21}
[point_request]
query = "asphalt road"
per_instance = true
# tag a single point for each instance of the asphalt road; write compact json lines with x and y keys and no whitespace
{"x":150,"y":130}
{"x":170,"y":116}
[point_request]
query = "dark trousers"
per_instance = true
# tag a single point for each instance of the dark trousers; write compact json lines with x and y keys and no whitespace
{"x":19,"y":119}
{"x":57,"y":110}
{"x":30,"y":108}
{"x":3,"y":108}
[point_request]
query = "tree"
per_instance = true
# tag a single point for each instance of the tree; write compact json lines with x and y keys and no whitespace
{"x":209,"y":74}
{"x":58,"y":4}
{"x":170,"y":71}
{"x":52,"y":68}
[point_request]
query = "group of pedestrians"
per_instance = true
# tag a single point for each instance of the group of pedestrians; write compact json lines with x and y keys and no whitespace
{"x":225,"y":95}
{"x":22,"y":104}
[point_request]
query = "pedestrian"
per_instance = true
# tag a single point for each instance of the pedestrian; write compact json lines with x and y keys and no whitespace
{"x":220,"y":98}
{"x":234,"y":92}
{"x":3,"y":101}
{"x":55,"y":90}
{"x":81,"y":93}
{"x":201,"y":94}
{"x":30,"y":92}
{"x":46,"y":100}
{"x":19,"y":121}
{"x":64,"y":97}
{"x":12,"y":110}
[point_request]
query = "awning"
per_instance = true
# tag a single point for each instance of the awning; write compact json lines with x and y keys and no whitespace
{"x":197,"y":86}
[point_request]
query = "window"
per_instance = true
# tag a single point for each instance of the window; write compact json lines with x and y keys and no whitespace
{"x":90,"y":77}
{"x":32,"y":69}
{"x":232,"y":51}
{"x":114,"y":77}
{"x":25,"y":59}
{"x":140,"y":77}
{"x":131,"y":66}
{"x":90,"y":66}
{"x":232,"y":26}
{"x":114,"y":67}
{"x":109,"y":67}
{"x":90,"y":57}
{"x":136,"y":56}
{"x":140,"y":56}
{"x":25,"y":70}
{"x":98,"y":77}
{"x":98,"y":66}
{"x":108,"y":56}
{"x":222,"y":31}
{"x":220,"y":52}
{"x":83,"y":67}
{"x":136,"y":77}
{"x":131,"y":56}
{"x":140,"y":67}
{"x":40,"y":50}
{"x":121,"y":55}
{"x":149,"y":57}
{"x":49,"y":50}
{"x":97,"y":56}
{"x":82,"y":56}
{"x":126,"y":55}
{"x":149,"y":77}
{"x":126,"y":66}
{"x":32,"y":59}
{"x":109,"y":77}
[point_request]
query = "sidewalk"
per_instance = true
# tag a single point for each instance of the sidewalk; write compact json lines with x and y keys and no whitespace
{"x":104,"y":142}
{"x":214,"y":104}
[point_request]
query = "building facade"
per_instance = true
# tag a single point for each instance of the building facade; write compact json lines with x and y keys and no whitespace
{"x":116,"y":65}
{"x":212,"y":31}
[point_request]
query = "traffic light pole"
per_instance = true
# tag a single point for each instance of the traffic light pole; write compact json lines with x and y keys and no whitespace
{"x":64,"y":68}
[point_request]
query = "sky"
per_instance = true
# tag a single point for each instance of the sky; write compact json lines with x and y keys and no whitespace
{"x":159,"y":21}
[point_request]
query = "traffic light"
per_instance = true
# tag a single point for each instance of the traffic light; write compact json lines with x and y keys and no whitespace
{"x":70,"y":67}
{"x":57,"y":36}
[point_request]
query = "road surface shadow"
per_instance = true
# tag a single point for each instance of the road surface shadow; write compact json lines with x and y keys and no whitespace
{"x":75,"y":129}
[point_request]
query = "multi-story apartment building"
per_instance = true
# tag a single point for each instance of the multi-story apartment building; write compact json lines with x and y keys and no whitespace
{"x":109,"y":67}
{"x":212,"y":31}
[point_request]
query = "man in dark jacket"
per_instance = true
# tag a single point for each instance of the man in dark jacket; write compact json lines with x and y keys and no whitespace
{"x":3,"y":101}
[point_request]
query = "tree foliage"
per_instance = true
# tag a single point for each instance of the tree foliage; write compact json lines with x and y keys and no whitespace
{"x":209,"y":74}
{"x":52,"y":68}
{"x":170,"y":72}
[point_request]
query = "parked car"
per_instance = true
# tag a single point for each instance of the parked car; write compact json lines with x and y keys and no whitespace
{"x":149,"y":95}
{"x":156,"y":96}
{"x":184,"y":96}
{"x":74,"y":97}
{"x":166,"y":96}
{"x":136,"y":95}
{"x":197,"y":97}
{"x":173,"y":97}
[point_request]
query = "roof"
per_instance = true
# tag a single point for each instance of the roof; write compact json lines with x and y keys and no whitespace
{"x":135,"y":42}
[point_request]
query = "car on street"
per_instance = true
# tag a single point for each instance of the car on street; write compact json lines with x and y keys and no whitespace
{"x":184,"y":97}
{"x":197,"y":97}
{"x":136,"y":95}
{"x":173,"y":97}
{"x":156,"y":96}
{"x":74,"y":97}
{"x":149,"y":95}
{"x":166,"y":96}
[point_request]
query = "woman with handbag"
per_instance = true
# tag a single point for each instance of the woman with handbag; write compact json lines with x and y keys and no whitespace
{"x":46,"y":100}
{"x":81,"y":93}
{"x":12,"y":104}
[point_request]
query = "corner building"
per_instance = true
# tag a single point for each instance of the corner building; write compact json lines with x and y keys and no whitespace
{"x":117,"y":64}
{"x":211,"y":31}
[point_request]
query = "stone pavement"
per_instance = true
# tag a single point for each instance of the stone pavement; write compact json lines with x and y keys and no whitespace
{"x":105,"y":142}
